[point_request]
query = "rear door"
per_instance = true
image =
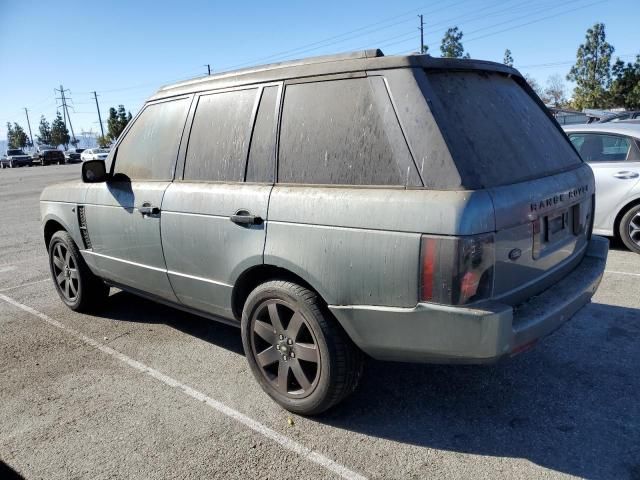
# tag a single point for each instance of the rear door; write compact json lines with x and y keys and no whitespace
{"x":214,"y":215}
{"x":123,"y":215}
{"x":615,"y":160}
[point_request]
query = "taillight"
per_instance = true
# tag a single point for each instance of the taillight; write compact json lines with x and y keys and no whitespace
{"x":456,"y":270}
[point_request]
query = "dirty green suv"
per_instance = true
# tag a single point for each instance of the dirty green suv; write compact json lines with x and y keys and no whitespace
{"x":405,"y":208}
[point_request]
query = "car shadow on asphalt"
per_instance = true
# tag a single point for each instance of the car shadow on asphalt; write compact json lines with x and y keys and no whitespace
{"x":572,"y":404}
{"x":125,"y":306}
{"x":8,"y":473}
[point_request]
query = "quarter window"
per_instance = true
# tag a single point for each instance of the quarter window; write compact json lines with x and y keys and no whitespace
{"x":334,"y":132}
{"x":219,"y":137}
{"x":150,"y":148}
{"x":261,"y":154}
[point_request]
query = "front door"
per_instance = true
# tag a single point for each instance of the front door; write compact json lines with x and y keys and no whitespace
{"x":123,"y":215}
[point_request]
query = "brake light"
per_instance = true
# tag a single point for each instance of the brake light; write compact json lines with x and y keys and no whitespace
{"x":456,"y":270}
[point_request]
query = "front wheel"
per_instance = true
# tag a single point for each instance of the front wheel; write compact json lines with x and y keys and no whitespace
{"x":629,"y":229}
{"x":296,"y":350}
{"x":76,"y":285}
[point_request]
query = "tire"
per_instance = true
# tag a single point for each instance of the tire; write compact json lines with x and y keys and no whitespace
{"x":629,"y":229}
{"x":318,"y":362}
{"x":77,"y":286}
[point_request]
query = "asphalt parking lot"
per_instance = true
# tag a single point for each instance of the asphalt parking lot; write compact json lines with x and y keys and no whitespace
{"x":146,"y":391}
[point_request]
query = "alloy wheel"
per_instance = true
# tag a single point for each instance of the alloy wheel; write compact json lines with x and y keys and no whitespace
{"x":285,"y":349}
{"x":65,"y":272}
{"x":634,"y":229}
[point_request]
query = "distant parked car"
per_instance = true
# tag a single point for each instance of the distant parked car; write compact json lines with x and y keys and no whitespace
{"x":613,"y":152}
{"x":47,"y":155}
{"x":94,"y":154}
{"x":15,"y":157}
{"x":73,"y":155}
{"x":618,"y":117}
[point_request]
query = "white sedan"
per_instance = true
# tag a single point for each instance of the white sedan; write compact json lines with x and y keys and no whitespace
{"x":94,"y":154}
{"x":613,"y":152}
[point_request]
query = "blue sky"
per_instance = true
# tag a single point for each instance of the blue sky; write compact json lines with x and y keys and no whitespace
{"x":127,"y":49}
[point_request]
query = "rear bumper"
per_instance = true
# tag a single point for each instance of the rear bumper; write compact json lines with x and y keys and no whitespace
{"x":443,"y":334}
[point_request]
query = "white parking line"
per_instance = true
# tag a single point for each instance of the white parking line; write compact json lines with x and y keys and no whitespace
{"x":254,"y":425}
{"x":9,"y":268}
{"x":24,"y":285}
{"x":623,"y":273}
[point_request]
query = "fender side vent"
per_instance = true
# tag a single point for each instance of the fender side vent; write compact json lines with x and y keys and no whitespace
{"x":82,"y":220}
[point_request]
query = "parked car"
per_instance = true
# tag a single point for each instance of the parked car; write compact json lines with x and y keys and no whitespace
{"x":301,"y":204}
{"x":613,"y":152}
{"x":72,"y":155}
{"x":15,"y":157}
{"x":94,"y":154}
{"x":617,"y":117}
{"x":47,"y":155}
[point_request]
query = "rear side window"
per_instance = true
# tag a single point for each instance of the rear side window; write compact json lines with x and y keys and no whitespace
{"x":150,"y":148}
{"x":219,"y":137}
{"x":333,"y":132}
{"x":602,"y":148}
{"x":497,"y":134}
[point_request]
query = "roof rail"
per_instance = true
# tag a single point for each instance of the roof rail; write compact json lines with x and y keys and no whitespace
{"x":360,"y":54}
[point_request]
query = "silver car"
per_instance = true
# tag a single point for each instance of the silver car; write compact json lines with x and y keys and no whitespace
{"x":406,"y":208}
{"x":613,"y":152}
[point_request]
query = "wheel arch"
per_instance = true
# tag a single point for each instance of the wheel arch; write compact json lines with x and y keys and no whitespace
{"x":248,"y":280}
{"x":628,"y":206}
{"x":52,"y":225}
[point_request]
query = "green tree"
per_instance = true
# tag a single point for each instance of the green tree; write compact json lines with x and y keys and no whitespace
{"x":556,"y":91}
{"x":592,"y":70}
{"x":117,"y":121}
{"x":103,"y":141}
{"x":425,"y":49}
{"x":10,"y":135}
{"x":19,"y":138}
{"x":45,"y":132}
{"x":625,"y":88}
{"x":508,"y":58}
{"x":451,"y":46}
{"x":59,"y":132}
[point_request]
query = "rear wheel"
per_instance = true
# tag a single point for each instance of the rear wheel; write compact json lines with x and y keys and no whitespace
{"x":296,"y":350}
{"x":629,"y":229}
{"x":76,"y":285}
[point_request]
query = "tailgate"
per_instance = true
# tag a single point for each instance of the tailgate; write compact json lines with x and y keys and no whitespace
{"x":542,"y":230}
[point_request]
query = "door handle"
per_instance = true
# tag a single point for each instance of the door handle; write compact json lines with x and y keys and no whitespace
{"x":626,"y":175}
{"x":243,"y":217}
{"x":147,"y":209}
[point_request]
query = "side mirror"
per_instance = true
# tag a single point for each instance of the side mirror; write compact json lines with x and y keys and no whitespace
{"x":94,"y":171}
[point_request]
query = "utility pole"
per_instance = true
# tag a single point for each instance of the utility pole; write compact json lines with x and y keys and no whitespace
{"x":26,"y":112}
{"x":208,"y":69}
{"x":95,"y":95}
{"x":421,"y":28}
{"x":65,"y":109}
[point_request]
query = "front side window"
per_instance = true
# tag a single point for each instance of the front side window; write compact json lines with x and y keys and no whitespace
{"x":601,"y":148}
{"x":219,"y":137}
{"x":333,"y":132}
{"x":150,"y":147}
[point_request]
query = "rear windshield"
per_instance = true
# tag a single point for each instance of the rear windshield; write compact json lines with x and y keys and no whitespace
{"x":496,"y":132}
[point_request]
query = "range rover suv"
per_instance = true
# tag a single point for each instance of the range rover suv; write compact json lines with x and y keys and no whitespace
{"x":405,"y":208}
